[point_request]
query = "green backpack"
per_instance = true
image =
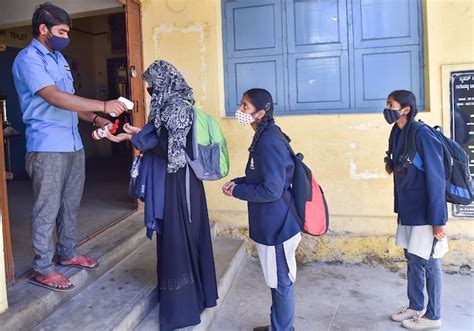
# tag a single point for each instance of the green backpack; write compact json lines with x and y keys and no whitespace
{"x":211,"y":157}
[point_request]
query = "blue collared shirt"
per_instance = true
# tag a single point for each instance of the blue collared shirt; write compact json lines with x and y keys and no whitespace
{"x":48,"y":128}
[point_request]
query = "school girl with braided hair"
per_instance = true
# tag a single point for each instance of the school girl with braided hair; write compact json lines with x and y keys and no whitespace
{"x":265,"y":187}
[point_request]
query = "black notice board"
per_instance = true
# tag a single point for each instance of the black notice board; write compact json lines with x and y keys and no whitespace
{"x":462,"y":122}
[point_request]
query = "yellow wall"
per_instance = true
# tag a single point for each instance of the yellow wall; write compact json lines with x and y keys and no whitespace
{"x":449,"y":40}
{"x":345,"y":151}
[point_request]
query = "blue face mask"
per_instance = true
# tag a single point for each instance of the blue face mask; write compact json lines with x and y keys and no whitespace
{"x":58,"y":43}
{"x":391,"y":115}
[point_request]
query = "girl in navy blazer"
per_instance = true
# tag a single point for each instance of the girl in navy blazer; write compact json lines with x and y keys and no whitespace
{"x":272,"y":225}
{"x":419,"y":201}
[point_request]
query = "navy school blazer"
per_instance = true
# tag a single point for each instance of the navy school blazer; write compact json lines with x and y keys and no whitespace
{"x":419,"y":190}
{"x":152,"y":176}
{"x":268,"y":176}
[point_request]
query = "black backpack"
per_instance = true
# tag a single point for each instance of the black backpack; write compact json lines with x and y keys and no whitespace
{"x":455,"y":159}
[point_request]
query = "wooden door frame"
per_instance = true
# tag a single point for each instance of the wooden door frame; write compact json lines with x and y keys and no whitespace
{"x":132,"y":12}
{"x":7,"y":242}
{"x":133,"y":23}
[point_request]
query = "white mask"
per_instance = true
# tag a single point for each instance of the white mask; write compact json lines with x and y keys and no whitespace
{"x":243,"y":118}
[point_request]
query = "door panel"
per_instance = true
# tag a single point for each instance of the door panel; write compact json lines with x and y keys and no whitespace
{"x":263,"y":72}
{"x":385,"y":23}
{"x":379,"y":71}
{"x":315,"y":26}
{"x":319,"y":81}
{"x":135,"y":60}
{"x":256,"y":26}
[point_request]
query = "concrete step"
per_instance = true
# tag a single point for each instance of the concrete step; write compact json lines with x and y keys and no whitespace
{"x":229,"y":255}
{"x":30,"y":304}
{"x":119,"y":300}
{"x":110,"y":302}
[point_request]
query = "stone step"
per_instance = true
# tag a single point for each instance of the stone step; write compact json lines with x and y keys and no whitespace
{"x":116,"y":249}
{"x":29,"y":304}
{"x":109,"y":303}
{"x":122,"y":298}
{"x":229,"y":256}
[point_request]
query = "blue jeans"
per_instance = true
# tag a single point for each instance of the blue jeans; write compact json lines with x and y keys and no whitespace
{"x":419,"y":271}
{"x":283,"y":297}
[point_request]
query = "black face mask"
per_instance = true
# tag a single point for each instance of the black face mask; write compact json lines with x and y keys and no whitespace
{"x":391,"y":116}
{"x":150,"y":90}
{"x":57,"y":43}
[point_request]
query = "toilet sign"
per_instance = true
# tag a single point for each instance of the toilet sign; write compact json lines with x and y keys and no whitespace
{"x":462,"y":123}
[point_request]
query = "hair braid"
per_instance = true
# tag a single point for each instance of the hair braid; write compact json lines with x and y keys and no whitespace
{"x":262,"y":100}
{"x":258,"y":132}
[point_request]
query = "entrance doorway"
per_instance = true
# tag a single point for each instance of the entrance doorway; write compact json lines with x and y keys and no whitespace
{"x":99,"y":58}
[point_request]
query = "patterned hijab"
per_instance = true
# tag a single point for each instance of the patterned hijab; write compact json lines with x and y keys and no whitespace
{"x":170,"y":108}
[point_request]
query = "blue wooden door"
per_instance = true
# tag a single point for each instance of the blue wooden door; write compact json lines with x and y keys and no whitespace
{"x":318,"y":62}
{"x":254,"y":50}
{"x":387,"y":50}
{"x":323,"y":56}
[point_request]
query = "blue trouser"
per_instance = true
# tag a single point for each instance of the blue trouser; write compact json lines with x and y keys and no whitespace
{"x":283,"y":297}
{"x":420,"y":270}
{"x":58,"y":182}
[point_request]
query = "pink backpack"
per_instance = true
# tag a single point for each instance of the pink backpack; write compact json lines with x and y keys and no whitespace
{"x":310,"y":207}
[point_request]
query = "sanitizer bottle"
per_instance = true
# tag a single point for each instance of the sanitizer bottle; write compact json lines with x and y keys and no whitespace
{"x":105,"y":131}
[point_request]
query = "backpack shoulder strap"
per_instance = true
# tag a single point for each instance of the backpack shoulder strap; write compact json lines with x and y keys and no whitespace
{"x":290,"y":205}
{"x":410,"y":142}
{"x":286,"y":140}
{"x":390,"y":141}
{"x":388,"y":159}
{"x":194,"y":132}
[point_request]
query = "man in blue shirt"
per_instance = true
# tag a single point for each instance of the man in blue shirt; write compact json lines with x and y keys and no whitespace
{"x":55,"y":155}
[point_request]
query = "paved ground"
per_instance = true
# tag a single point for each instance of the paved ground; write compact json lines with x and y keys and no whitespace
{"x":340,"y":297}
